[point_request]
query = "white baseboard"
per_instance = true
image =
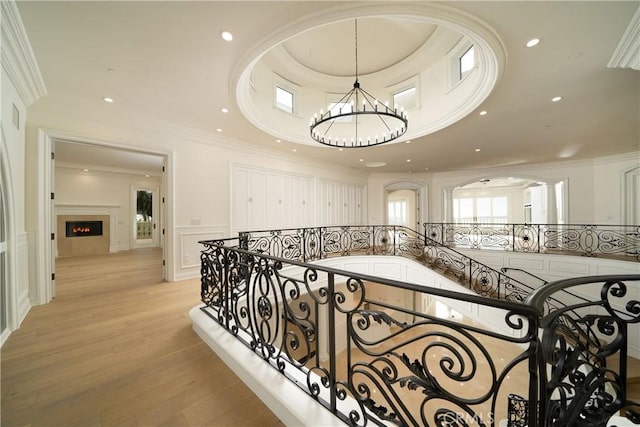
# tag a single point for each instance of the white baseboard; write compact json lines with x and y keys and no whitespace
{"x":24,"y":305}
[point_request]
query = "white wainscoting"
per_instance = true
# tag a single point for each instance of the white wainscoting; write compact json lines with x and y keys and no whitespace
{"x":188,"y":254}
{"x":22,"y":277}
{"x":552,"y":267}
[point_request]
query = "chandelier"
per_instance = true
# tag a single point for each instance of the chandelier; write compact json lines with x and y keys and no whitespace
{"x":358,"y":119}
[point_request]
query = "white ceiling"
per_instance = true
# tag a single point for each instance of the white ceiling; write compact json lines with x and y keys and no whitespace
{"x":166,"y":66}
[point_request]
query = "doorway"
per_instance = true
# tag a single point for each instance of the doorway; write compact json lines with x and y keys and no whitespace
{"x":402,"y":208}
{"x":145,"y":217}
{"x":107,"y":158}
{"x":405,"y":204}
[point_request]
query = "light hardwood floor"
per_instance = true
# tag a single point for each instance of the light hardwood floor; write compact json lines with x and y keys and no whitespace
{"x":116,"y":348}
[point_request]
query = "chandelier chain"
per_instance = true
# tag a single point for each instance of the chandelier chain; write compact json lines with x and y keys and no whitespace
{"x":366,"y":111}
{"x":356,"y":38}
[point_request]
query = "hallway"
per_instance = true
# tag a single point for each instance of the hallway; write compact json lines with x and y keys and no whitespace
{"x":116,"y":347}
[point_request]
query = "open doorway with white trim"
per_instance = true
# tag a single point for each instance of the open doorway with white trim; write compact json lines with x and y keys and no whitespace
{"x":94,"y":161}
{"x":405,"y":204}
{"x":146,"y":216}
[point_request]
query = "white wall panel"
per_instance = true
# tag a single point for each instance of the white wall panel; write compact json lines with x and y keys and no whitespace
{"x":22,"y":277}
{"x":573,"y":268}
{"x":188,"y":255}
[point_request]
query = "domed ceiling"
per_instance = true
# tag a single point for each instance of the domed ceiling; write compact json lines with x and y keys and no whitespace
{"x":390,"y":53}
{"x":382,"y":43}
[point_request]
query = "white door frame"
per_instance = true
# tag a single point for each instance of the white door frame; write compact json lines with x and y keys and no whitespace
{"x":155,"y":194}
{"x":44,"y":284}
{"x":421,"y":200}
{"x":630,"y":200}
{"x":11,"y":287}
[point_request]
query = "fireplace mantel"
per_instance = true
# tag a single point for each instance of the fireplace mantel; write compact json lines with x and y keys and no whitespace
{"x":92,"y":210}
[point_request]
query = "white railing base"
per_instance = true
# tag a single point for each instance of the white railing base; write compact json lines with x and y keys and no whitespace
{"x":286,"y":400}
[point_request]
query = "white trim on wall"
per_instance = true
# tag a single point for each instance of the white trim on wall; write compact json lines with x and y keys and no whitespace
{"x":18,"y":58}
{"x":15,"y":314}
{"x":44,"y":287}
{"x":422,"y":193}
{"x":630,"y":200}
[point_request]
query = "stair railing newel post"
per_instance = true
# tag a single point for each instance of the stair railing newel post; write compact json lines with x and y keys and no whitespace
{"x":332,"y":342}
{"x":225,"y":287}
{"x":373,"y":239}
{"x":513,"y":237}
{"x":537,"y":376}
{"x":394,"y":240}
{"x":304,"y":245}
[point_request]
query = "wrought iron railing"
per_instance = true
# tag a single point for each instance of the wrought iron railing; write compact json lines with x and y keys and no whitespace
{"x":310,"y":244}
{"x":367,"y":361}
{"x":371,"y":362}
{"x":607,"y":241}
{"x":583,"y":350}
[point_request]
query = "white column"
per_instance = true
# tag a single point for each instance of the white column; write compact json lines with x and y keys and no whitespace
{"x":448,"y":205}
{"x":552,"y":207}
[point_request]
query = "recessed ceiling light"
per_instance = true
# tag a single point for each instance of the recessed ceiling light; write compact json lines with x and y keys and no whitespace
{"x":426,"y":168}
{"x":483,"y":113}
{"x":226,"y":36}
{"x":375,"y":164}
{"x":408,"y":142}
{"x":86,"y":170}
{"x":362,"y":160}
{"x":532,"y":42}
{"x":556,"y":99}
{"x":224,"y":110}
{"x":278,"y":140}
{"x":477,"y":149}
{"x":294,"y":150}
{"x":146,"y":175}
{"x":218,"y":130}
{"x":107,"y":99}
{"x":340,"y":149}
{"x":408,"y":160}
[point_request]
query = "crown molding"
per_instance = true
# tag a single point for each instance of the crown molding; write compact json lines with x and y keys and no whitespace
{"x":18,"y":58}
{"x":627,"y":54}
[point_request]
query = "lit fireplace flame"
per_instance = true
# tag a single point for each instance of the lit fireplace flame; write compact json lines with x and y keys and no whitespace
{"x":81,"y":229}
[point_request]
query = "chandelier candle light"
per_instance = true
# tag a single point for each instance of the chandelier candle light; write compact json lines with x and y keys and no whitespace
{"x":358,"y":119}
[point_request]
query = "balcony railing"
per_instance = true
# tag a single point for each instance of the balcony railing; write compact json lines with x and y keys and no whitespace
{"x":418,"y":363}
{"x":606,"y":241}
{"x":310,"y":244}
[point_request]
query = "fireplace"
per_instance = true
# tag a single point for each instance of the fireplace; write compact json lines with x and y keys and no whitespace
{"x":83,"y":228}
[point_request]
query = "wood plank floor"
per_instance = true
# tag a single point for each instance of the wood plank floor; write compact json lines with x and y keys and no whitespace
{"x":116,"y":348}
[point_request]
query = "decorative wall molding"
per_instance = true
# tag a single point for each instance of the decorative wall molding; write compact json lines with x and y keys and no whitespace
{"x":18,"y":58}
{"x":627,"y":54}
{"x":22,"y":278}
{"x":190,"y":249}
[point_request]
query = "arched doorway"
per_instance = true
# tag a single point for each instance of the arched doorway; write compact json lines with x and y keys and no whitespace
{"x":405,"y":204}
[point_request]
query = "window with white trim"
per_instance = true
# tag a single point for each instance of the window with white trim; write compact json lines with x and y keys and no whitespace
{"x":284,"y":99}
{"x":466,"y":62}
{"x":398,"y":212}
{"x":483,"y":210}
{"x":405,"y":99}
{"x":406,"y":94}
{"x":462,"y":60}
